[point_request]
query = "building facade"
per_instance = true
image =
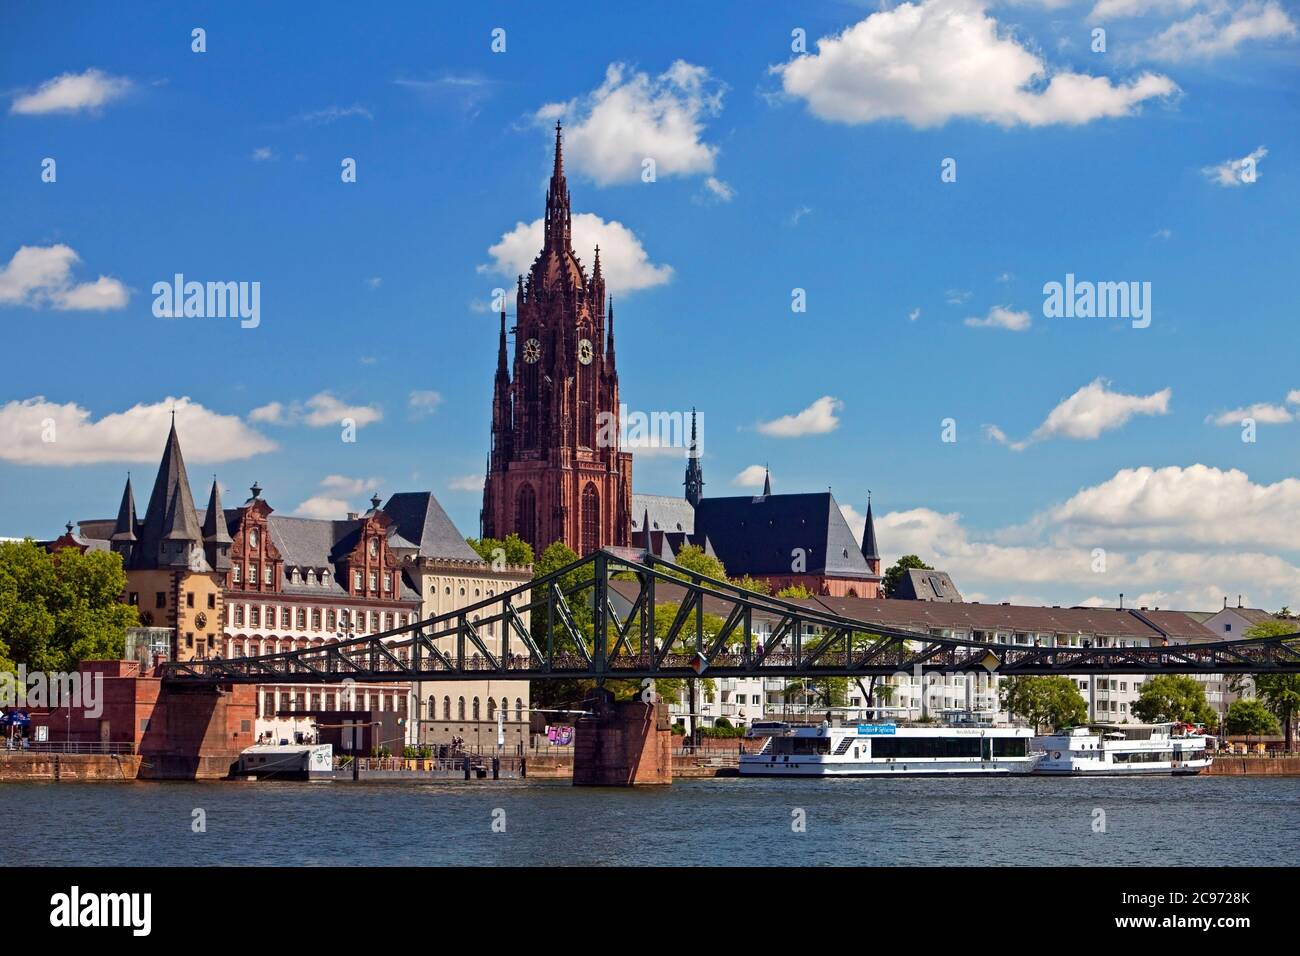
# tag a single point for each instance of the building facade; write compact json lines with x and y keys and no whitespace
{"x":555,"y":471}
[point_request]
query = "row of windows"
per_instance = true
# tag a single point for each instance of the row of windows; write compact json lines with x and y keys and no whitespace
{"x":330,"y":700}
{"x":329,"y":619}
{"x":310,"y":578}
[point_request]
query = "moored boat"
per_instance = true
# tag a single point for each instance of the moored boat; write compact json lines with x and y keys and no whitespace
{"x":886,"y":748}
{"x":1124,"y":750}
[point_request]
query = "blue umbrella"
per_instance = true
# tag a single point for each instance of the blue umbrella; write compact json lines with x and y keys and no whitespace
{"x":15,"y":719}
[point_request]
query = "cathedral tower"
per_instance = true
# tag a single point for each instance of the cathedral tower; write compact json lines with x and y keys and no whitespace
{"x":555,"y":472}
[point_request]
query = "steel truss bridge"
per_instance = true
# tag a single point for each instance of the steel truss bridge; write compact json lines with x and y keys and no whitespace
{"x":576,"y":633}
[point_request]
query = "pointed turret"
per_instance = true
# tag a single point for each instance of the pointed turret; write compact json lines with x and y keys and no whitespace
{"x":124,"y":530}
{"x":216,"y":535}
{"x":609,"y":337}
{"x":767,"y":481}
{"x":869,"y":549}
{"x":694,"y":474}
{"x":558,"y":221}
{"x":171,"y":527}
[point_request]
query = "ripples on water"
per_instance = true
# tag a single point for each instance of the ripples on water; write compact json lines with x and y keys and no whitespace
{"x":1204,"y":821}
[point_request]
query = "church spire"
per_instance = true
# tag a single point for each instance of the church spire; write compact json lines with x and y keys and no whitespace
{"x":869,"y":549}
{"x":767,"y":481}
{"x":558,"y":222}
{"x":502,"y":366}
{"x":694,"y":474}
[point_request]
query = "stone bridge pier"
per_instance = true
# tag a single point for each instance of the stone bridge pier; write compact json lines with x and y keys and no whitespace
{"x":622,"y":744}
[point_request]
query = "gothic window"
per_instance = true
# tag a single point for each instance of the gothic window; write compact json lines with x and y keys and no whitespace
{"x":492,"y":709}
{"x":529,"y":410}
{"x":460,"y":709}
{"x":519,"y":709}
{"x":446,"y":708}
{"x":590,"y":519}
{"x":476,"y":709}
{"x":526,"y":516}
{"x":587,"y":406}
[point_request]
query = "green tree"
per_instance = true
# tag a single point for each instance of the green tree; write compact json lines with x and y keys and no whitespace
{"x":693,"y":558}
{"x":897,"y":571}
{"x":1174,"y":697}
{"x":58,"y":610}
{"x":752,"y":584}
{"x":1044,"y":701}
{"x":562,"y":694}
{"x":1279,"y":692}
{"x":794,"y":591}
{"x":1249,"y":717}
{"x":513,"y":550}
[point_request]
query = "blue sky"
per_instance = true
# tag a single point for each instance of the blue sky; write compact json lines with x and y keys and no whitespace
{"x":776,"y":171}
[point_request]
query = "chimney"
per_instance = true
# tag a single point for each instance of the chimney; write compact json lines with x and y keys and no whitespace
{"x":1238,"y":600}
{"x":1225,"y":602}
{"x":352,"y":516}
{"x":1121,"y":600}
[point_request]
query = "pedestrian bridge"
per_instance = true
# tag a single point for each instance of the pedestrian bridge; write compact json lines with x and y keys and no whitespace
{"x":565,"y":626}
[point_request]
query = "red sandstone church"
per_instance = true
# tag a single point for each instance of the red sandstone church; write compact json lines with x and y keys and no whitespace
{"x":548,"y":478}
{"x":551,"y":478}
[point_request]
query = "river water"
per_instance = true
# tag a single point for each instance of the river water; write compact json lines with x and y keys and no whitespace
{"x":1207,"y":821}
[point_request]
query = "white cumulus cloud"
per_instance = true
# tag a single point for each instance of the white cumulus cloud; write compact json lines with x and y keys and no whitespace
{"x":1001,"y":317}
{"x":37,"y":431}
{"x":41,"y":276}
{"x":750,"y":477}
{"x":1219,"y":31}
{"x":929,"y":62}
{"x":321,"y":410}
{"x":72,"y":93}
{"x":623,"y":260}
{"x":1088,"y":413}
{"x":1236,"y":172}
{"x":632,"y":116}
{"x":817,"y":419}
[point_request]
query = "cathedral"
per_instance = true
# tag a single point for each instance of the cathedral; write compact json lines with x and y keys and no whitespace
{"x":555,"y":471}
{"x":552,"y":472}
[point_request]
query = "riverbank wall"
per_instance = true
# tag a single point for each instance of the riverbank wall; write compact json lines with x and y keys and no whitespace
{"x":57,"y":767}
{"x":1255,"y":766}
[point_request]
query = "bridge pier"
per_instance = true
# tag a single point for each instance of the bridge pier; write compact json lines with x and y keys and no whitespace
{"x":622,"y":744}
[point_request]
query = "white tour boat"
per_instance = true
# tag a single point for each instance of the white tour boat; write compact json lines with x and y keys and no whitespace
{"x":885,"y":748}
{"x":1123,"y":749}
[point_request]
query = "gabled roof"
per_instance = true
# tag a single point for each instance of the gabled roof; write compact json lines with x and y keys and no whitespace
{"x":761,"y":535}
{"x":421,"y":521}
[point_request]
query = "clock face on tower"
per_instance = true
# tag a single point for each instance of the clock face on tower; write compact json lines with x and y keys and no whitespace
{"x":532,"y":351}
{"x":584,"y":351}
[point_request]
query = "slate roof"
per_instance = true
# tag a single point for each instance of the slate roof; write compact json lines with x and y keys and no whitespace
{"x":921,"y":585}
{"x":757,"y":535}
{"x":1106,"y":622}
{"x":421,"y":521}
{"x":667,"y":513}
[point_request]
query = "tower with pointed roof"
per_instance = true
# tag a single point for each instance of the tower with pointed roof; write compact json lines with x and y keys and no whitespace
{"x":694,"y":473}
{"x":869,"y":549}
{"x":555,"y":471}
{"x":175,"y":560}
